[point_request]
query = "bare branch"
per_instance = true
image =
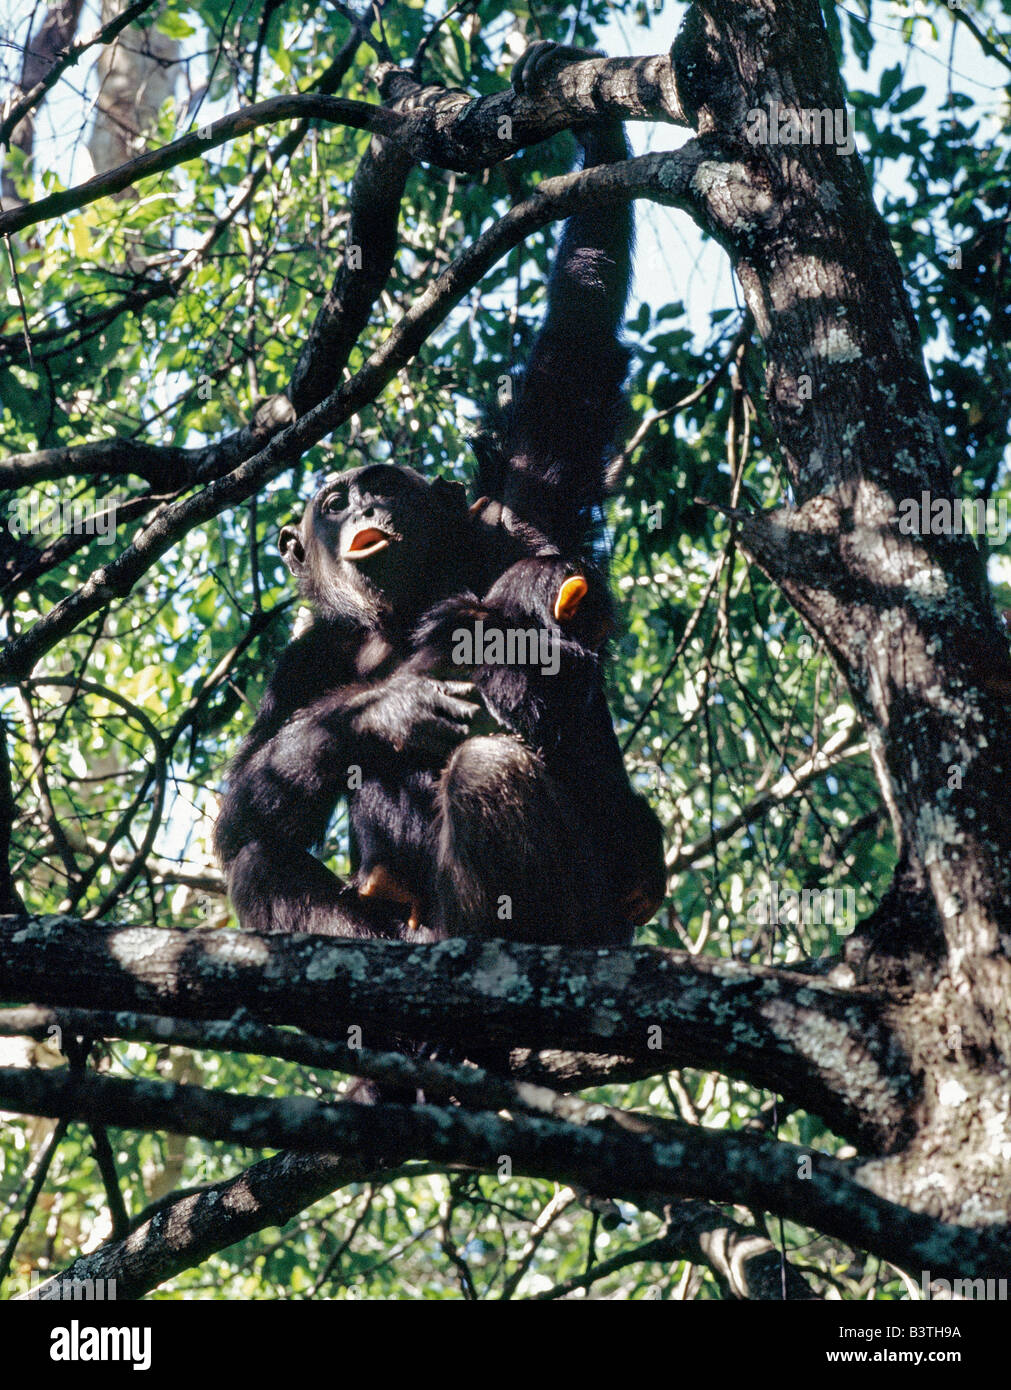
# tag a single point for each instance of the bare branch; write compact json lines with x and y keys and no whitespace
{"x":665,"y":177}
{"x":843,"y":745}
{"x":639,"y":1159}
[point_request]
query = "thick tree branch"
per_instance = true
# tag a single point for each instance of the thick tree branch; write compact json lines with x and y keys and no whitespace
{"x":269,"y":1194}
{"x":639,"y":1158}
{"x":184,"y":1232}
{"x":449,"y":129}
{"x":827,"y":1049}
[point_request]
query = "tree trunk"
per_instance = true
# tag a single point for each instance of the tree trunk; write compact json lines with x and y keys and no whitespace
{"x":905,"y":612}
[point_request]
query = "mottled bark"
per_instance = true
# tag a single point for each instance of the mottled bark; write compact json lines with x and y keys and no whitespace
{"x":907,"y":617}
{"x":829,"y":1049}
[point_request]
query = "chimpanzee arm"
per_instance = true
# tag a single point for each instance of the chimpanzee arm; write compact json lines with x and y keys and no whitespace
{"x":286,"y":781}
{"x":570,"y":403}
{"x":282,"y":790}
{"x":295,"y":765}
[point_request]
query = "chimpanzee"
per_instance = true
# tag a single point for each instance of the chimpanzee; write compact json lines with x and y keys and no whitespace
{"x":530,"y":833}
{"x":375,"y":548}
{"x":531,"y":650}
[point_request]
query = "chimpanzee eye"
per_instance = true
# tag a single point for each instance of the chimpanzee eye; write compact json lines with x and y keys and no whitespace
{"x":334,"y":503}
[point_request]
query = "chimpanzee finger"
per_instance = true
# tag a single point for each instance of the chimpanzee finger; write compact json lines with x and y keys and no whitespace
{"x":462,"y":689}
{"x":455,"y":700}
{"x":534,"y":66}
{"x":437,"y":738}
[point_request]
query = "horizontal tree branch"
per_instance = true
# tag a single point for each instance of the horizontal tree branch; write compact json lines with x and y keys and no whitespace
{"x":566,"y":1071}
{"x":445,"y":128}
{"x":826,"y":1049}
{"x":641,"y":1159}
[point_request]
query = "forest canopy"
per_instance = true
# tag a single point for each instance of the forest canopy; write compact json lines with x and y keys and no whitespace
{"x":188,"y":347}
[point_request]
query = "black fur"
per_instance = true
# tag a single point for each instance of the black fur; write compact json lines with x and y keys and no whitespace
{"x":339,"y":701}
{"x":522,"y":834}
{"x":574,"y":792}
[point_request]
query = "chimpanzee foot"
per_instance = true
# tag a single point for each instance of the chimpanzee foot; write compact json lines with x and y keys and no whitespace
{"x":381,"y":883}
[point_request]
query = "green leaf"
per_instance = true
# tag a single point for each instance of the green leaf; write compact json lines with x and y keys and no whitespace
{"x":908,"y":98}
{"x":890,"y":79}
{"x":174,"y":25}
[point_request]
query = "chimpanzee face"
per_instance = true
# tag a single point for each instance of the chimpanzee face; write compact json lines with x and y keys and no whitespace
{"x":375,"y":541}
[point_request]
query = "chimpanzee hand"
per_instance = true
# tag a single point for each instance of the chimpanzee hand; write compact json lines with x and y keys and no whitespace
{"x":414,"y":713}
{"x":437,"y":640}
{"x":534,"y":70}
{"x":641,"y":874}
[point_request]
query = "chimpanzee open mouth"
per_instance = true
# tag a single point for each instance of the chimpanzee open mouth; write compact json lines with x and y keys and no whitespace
{"x":368,"y":541}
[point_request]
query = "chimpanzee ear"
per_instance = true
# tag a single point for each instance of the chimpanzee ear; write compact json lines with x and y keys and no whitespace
{"x":289,"y":543}
{"x":569,"y":597}
{"x":453,"y":496}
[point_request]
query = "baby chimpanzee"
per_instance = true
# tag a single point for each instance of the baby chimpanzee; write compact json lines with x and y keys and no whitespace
{"x":531,"y":650}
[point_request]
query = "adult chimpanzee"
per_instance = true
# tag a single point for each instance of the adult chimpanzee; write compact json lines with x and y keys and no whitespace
{"x":527,"y":832}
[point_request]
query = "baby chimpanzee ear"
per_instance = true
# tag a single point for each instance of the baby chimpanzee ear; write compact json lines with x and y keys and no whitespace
{"x":569,"y":597}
